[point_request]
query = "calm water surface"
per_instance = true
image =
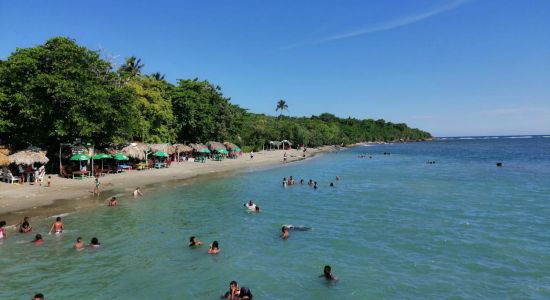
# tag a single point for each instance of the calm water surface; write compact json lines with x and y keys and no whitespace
{"x":394,"y":227}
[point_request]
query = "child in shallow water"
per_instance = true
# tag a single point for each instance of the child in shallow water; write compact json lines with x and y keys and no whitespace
{"x":38,"y":240}
{"x":79,"y":245}
{"x":194,"y":242}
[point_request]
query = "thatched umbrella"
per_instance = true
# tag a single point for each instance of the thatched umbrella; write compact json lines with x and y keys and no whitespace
{"x":197,"y":147}
{"x":4,"y":150}
{"x":28,"y":157}
{"x":215,"y":146}
{"x":136,"y":150}
{"x":230,"y":146}
{"x":181,"y":148}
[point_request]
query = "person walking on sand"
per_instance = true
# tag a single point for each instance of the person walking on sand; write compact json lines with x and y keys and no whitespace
{"x":284,"y":157}
{"x":251,"y":154}
{"x":96,"y":188}
{"x":138,"y":193}
{"x":57,"y":226}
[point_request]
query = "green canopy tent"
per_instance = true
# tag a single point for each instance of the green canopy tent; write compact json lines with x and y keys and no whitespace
{"x":102,"y":156}
{"x":80,"y":158}
{"x":203,"y":151}
{"x":222,"y":151}
{"x":119,"y":157}
{"x":160,"y":154}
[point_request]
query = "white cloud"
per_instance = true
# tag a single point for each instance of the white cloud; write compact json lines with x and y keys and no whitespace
{"x":384,"y":26}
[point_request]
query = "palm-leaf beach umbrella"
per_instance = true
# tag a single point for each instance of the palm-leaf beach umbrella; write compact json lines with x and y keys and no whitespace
{"x":4,"y":160}
{"x":203,"y":150}
{"x":179,"y":148}
{"x":136,"y":150}
{"x":29,"y":157}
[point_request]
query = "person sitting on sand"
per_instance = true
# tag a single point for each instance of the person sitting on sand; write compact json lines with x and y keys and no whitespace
{"x":284,"y":235}
{"x":234,"y":291}
{"x":327,"y":273}
{"x":57,"y":226}
{"x":79,"y":245}
{"x":2,"y":230}
{"x":214,"y":248}
{"x":25,"y":226}
{"x":193,"y":241}
{"x":137,"y":192}
{"x":94,"y":243}
{"x":113,"y":202}
{"x":38,"y":240}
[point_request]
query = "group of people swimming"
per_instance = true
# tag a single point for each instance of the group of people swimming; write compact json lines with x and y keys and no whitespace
{"x":311,"y":183}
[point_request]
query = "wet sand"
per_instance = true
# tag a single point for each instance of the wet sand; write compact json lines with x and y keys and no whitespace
{"x":66,"y":195}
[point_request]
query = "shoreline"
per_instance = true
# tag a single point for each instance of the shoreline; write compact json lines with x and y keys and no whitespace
{"x":66,"y":195}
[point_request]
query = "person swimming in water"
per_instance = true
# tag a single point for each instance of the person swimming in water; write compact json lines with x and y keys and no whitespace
{"x":245,"y":294}
{"x":38,"y":296}
{"x":251,"y":206}
{"x":57,"y":226}
{"x":138,"y":193}
{"x":301,"y":182}
{"x":94,"y":243}
{"x":285,"y":182}
{"x":214,"y":248}
{"x":25,"y":226}
{"x":327,"y":273}
{"x":194,"y":242}
{"x":310,"y":182}
{"x":79,"y":245}
{"x":113,"y":202}
{"x":331,"y":184}
{"x":315,"y":185}
{"x":38,"y":240}
{"x":284,"y":235}
{"x":234,"y":291}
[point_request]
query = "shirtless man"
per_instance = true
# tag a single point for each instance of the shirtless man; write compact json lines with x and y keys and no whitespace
{"x":57,"y":226}
{"x":79,"y":245}
{"x":137,"y":193}
{"x":113,"y":202}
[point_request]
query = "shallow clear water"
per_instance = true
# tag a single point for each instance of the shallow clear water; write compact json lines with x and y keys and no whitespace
{"x":393,"y":227}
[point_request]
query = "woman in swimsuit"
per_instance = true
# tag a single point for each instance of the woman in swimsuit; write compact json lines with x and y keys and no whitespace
{"x":57,"y":226}
{"x":327,"y":273}
{"x":214,"y":248}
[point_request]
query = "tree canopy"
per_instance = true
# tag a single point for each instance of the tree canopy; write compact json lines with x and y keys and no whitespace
{"x":60,"y":91}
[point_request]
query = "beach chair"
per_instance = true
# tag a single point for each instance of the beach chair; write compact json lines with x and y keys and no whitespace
{"x":10,"y":178}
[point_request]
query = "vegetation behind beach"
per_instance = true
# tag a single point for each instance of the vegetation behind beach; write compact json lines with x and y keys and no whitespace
{"x":60,"y":91}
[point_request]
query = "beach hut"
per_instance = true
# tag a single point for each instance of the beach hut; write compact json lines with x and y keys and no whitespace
{"x":29,"y":157}
{"x":137,"y":151}
{"x":181,"y":148}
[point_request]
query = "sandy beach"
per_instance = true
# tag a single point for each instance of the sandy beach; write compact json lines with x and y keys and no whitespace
{"x":16,"y":200}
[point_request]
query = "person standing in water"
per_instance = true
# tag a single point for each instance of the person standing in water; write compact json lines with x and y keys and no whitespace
{"x":38,"y":296}
{"x":234,"y":291}
{"x":79,"y":245}
{"x":284,"y":235}
{"x":38,"y":240}
{"x":94,"y":243}
{"x":214,"y":248}
{"x":327,"y":273}
{"x":96,"y":188}
{"x":57,"y":226}
{"x":25,"y":226}
{"x":3,"y":230}
{"x":113,"y":202}
{"x":138,"y":193}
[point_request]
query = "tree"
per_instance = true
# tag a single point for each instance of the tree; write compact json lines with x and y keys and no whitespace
{"x":51,"y":94}
{"x":281,"y":105}
{"x":132,"y":67}
{"x":157,"y":76}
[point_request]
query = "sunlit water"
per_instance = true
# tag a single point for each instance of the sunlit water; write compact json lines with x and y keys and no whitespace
{"x":394,"y":227}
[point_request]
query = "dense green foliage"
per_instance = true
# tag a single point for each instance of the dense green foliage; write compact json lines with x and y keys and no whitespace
{"x":60,"y":91}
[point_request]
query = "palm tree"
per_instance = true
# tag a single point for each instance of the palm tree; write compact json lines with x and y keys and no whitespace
{"x":281,"y":105}
{"x":132,"y":67}
{"x":157,"y":76}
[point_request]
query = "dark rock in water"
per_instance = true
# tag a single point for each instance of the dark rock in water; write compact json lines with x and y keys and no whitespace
{"x":499,"y":164}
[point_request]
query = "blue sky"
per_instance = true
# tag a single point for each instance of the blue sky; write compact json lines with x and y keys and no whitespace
{"x":472,"y":67}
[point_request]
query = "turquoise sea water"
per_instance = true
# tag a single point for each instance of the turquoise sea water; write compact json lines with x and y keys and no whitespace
{"x":394,"y":227}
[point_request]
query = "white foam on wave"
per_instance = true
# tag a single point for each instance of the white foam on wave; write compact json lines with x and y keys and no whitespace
{"x":546,"y":136}
{"x":60,"y":215}
{"x":519,"y":137}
